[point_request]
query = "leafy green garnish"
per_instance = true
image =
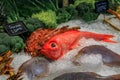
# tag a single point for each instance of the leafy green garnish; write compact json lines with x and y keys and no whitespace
{"x":48,"y":17}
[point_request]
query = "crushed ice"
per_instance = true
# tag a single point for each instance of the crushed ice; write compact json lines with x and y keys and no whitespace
{"x":65,"y":65}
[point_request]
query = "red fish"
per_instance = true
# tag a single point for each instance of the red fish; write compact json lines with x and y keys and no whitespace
{"x":60,"y":44}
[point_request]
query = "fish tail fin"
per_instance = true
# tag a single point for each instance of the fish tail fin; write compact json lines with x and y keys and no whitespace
{"x":107,"y":38}
{"x":99,"y":37}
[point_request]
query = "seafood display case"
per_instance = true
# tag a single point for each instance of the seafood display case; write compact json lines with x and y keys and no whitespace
{"x":60,"y":40}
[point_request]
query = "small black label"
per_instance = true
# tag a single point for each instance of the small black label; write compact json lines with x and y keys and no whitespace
{"x":101,"y":6}
{"x":15,"y":28}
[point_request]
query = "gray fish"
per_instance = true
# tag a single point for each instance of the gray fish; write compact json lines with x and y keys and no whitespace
{"x":109,"y":57}
{"x":35,"y":67}
{"x":86,"y":76}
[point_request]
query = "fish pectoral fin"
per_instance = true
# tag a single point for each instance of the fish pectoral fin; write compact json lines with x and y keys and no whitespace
{"x":74,"y":44}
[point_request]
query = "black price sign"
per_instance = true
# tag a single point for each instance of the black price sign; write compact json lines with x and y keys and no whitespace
{"x":101,"y":6}
{"x":15,"y":28}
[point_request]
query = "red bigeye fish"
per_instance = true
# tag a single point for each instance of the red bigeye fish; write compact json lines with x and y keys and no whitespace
{"x":60,"y":44}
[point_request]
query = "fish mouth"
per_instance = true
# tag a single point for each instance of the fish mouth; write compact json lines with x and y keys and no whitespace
{"x":45,"y":52}
{"x":49,"y":55}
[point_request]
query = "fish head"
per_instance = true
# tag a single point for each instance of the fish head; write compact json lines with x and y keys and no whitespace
{"x":52,"y":49}
{"x":35,"y":67}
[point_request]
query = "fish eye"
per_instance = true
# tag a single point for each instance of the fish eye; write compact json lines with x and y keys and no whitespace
{"x":53,"y":45}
